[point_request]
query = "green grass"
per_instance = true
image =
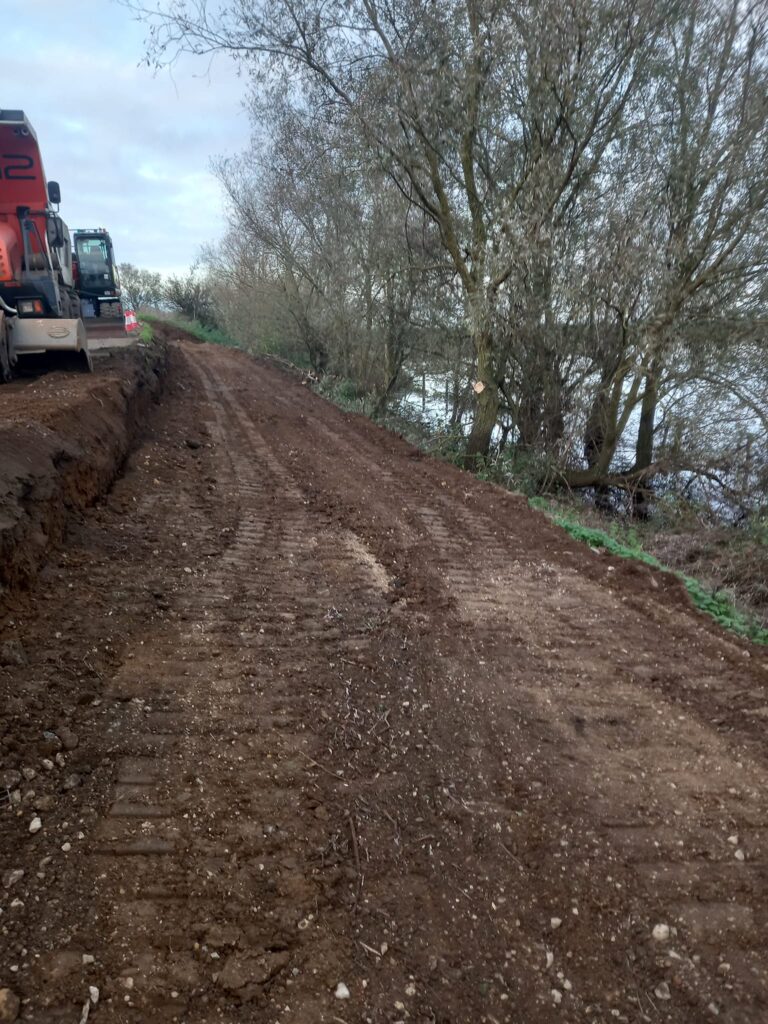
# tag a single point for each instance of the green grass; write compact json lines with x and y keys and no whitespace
{"x":716,"y":604}
{"x":197,"y":330}
{"x":146,"y":334}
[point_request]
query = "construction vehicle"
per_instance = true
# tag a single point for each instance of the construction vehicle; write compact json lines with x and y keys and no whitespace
{"x":39,"y":303}
{"x":95,"y":270}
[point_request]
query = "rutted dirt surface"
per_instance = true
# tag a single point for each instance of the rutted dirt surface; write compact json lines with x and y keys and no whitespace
{"x":325,"y":731}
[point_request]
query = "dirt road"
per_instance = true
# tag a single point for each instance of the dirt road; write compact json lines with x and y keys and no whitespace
{"x":325,"y":731}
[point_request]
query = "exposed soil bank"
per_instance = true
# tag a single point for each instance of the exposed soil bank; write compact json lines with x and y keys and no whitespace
{"x":63,"y":440}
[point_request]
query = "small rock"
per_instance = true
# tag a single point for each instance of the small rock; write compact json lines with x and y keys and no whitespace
{"x":12,"y":653}
{"x":88,"y":959}
{"x":342,"y":992}
{"x":723,"y":968}
{"x":93,"y":992}
{"x":557,"y":996}
{"x":9,"y":1005}
{"x":410,"y":990}
{"x":192,"y":443}
{"x":662,"y":991}
{"x":48,"y":764}
{"x":733,"y":840}
{"x":550,"y":958}
{"x":69,"y":739}
{"x":51,"y":743}
{"x":12,"y":876}
{"x":9,"y":779}
{"x":739,"y":855}
{"x":72,"y":782}
{"x":35,"y":825}
{"x":28,"y":773}
{"x":44,"y":803}
{"x":61,"y":760}
{"x":65,"y":848}
{"x":660,"y":932}
{"x":555,"y":922}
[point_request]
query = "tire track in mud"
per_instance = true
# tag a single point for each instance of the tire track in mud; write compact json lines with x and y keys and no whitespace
{"x":216,"y":756}
{"x":391,"y":729}
{"x":658,"y":796}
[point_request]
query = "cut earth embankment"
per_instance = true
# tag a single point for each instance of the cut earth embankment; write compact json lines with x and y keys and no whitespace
{"x":63,"y":440}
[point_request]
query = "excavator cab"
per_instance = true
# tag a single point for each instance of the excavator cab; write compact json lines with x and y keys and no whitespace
{"x":96,"y":277}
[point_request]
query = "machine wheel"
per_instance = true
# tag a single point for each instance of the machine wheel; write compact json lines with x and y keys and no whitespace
{"x":6,"y":370}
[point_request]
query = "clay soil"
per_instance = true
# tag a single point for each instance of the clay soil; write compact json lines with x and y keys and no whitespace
{"x":325,"y":731}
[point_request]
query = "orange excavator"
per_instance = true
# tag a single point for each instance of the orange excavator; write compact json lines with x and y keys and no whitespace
{"x":39,"y":301}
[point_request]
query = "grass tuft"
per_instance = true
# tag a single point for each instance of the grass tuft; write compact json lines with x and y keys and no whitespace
{"x":196,"y":329}
{"x":714,"y":603}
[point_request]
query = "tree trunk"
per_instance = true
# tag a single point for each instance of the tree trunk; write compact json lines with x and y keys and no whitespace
{"x":486,"y":403}
{"x":645,"y":430}
{"x":641,"y":499}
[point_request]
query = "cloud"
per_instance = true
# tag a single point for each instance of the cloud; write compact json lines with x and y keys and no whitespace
{"x":131,"y":149}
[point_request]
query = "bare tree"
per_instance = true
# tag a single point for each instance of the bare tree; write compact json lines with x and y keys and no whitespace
{"x":492,"y":116}
{"x":142,"y":288}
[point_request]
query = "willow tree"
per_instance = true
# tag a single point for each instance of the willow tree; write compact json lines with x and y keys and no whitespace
{"x":492,"y":116}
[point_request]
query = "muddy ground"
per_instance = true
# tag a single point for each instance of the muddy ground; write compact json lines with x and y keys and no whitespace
{"x":316,"y":729}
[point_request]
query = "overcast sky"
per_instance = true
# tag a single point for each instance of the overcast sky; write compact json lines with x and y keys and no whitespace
{"x":130,"y":149}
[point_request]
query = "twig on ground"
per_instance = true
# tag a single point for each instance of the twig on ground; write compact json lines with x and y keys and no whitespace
{"x":370,"y":949}
{"x":355,"y":849}
{"x":514,"y":858}
{"x":321,"y":766}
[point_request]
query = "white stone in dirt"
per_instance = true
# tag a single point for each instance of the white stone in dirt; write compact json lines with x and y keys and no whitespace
{"x":550,"y":958}
{"x":733,"y":840}
{"x":739,"y":855}
{"x":9,"y":1005}
{"x":660,"y":932}
{"x":88,"y":959}
{"x":35,"y":825}
{"x":555,"y":922}
{"x":662,"y":991}
{"x":557,"y":996}
{"x":93,"y":992}
{"x":342,"y":992}
{"x":12,"y":876}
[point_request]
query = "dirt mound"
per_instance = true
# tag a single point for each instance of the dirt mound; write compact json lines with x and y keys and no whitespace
{"x":63,"y":440}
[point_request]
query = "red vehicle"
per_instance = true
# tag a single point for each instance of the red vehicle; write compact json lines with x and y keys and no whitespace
{"x":39,"y":303}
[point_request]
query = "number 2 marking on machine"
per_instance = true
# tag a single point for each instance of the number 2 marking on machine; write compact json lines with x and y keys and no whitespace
{"x":22,"y":163}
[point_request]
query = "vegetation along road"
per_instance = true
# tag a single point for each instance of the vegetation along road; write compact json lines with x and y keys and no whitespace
{"x":301,"y":725}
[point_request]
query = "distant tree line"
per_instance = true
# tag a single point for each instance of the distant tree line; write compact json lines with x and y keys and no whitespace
{"x":190,"y":295}
{"x":560,"y":205}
